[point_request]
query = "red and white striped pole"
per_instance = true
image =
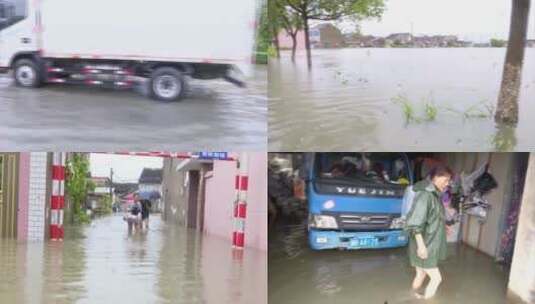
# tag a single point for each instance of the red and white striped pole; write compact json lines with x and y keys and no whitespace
{"x":240,"y":206}
{"x":58,"y":196}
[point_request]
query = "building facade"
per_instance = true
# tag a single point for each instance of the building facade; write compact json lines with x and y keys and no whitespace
{"x":25,"y":195}
{"x":201,"y":194}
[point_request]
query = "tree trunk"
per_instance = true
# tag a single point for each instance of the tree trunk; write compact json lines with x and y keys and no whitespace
{"x":507,"y":109}
{"x":277,"y":45}
{"x":307,"y":40}
{"x":294,"y":44}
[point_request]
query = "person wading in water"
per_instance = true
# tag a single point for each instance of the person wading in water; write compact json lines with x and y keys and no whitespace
{"x":145,"y":212}
{"x":426,"y":226}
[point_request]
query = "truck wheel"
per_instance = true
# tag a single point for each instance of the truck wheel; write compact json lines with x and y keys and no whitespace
{"x":27,"y":74}
{"x":166,"y":84}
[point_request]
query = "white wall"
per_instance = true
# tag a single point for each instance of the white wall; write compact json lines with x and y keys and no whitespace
{"x":522,"y":275}
{"x":37,"y":196}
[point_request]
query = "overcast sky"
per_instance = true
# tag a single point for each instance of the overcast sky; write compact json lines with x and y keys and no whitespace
{"x":125,"y":168}
{"x":474,"y":19}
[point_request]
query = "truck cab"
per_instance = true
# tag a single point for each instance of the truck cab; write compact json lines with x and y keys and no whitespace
{"x":355,"y":199}
{"x":17,"y":31}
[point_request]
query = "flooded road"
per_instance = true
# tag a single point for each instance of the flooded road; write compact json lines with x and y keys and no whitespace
{"x":300,"y":275}
{"x":101,"y":263}
{"x":347,"y":100}
{"x":213,"y":116}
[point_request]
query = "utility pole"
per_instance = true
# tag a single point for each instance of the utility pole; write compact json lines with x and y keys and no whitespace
{"x":111,"y":185}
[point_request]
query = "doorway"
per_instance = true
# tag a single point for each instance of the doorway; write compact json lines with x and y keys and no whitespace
{"x":8,"y":194}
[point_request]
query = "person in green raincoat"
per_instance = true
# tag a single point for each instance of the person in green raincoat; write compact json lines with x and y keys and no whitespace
{"x":426,"y":226}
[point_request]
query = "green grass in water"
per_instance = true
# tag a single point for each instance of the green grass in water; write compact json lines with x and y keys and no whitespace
{"x":481,"y":110}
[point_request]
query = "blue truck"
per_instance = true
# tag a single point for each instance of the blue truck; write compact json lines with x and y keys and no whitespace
{"x":355,"y":199}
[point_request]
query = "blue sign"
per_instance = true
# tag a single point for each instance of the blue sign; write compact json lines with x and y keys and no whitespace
{"x":212,"y":155}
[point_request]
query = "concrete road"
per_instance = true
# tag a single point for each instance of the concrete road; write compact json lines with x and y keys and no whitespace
{"x":215,"y":115}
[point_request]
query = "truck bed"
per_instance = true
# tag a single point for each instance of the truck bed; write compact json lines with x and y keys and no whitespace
{"x":211,"y":31}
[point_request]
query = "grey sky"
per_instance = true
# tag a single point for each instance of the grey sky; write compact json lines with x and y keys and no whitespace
{"x":469,"y":19}
{"x":125,"y":168}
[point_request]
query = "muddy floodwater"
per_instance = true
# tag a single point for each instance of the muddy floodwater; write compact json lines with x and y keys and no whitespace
{"x":351,"y":100}
{"x":298,"y":274}
{"x":101,"y":263}
{"x":214,"y":115}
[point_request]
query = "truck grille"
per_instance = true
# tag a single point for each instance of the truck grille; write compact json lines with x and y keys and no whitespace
{"x":363,"y":221}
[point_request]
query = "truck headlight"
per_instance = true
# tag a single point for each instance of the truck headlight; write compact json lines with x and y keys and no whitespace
{"x":328,"y":204}
{"x":323,"y":221}
{"x":397,"y":223}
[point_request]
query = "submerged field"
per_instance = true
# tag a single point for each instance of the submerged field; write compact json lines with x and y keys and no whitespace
{"x":381,"y":99}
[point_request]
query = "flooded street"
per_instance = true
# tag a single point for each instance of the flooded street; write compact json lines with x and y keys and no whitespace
{"x":299,"y":275}
{"x":347,"y":100}
{"x":101,"y":263}
{"x":214,"y":115}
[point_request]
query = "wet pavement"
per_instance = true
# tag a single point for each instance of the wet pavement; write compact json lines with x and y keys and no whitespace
{"x":102,"y":263}
{"x":347,"y":101}
{"x":214,"y":115}
{"x":298,"y":274}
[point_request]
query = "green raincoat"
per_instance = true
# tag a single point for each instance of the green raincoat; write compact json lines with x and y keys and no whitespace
{"x":427,"y":217}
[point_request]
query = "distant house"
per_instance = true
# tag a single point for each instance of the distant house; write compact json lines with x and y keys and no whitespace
{"x":286,"y":42}
{"x":482,"y":44}
{"x":124,"y":188}
{"x":326,"y":35}
{"x":437,"y":41}
{"x":530,"y":43}
{"x":150,"y":186}
{"x":364,"y":41}
{"x":323,"y":35}
{"x":103,"y":189}
{"x":400,"y":38}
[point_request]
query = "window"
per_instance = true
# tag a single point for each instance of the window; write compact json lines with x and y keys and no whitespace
{"x":363,"y":168}
{"x":11,"y":12}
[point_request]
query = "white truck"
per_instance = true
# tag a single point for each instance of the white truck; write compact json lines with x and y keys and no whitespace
{"x":119,"y":43}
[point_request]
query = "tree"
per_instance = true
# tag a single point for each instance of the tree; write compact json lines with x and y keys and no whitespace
{"x":288,"y":20}
{"x":507,"y":109}
{"x":497,"y":43}
{"x":264,"y":33}
{"x":274,"y":23}
{"x":77,"y":183}
{"x":332,"y":10}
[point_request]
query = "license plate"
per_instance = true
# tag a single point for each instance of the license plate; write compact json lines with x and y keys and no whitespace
{"x":364,"y":242}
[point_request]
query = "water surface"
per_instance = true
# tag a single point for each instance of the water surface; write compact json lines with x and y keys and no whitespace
{"x":298,"y":274}
{"x":102,"y":263}
{"x":345,"y":101}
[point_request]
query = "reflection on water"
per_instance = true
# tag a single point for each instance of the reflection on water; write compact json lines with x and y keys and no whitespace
{"x":299,"y":275}
{"x":345,"y":101}
{"x":101,"y":263}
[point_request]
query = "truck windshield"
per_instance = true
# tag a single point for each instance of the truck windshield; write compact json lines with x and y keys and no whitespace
{"x":11,"y":12}
{"x":363,"y":168}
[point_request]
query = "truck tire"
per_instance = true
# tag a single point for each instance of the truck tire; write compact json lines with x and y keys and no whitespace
{"x":27,"y":74}
{"x":167,"y":84}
